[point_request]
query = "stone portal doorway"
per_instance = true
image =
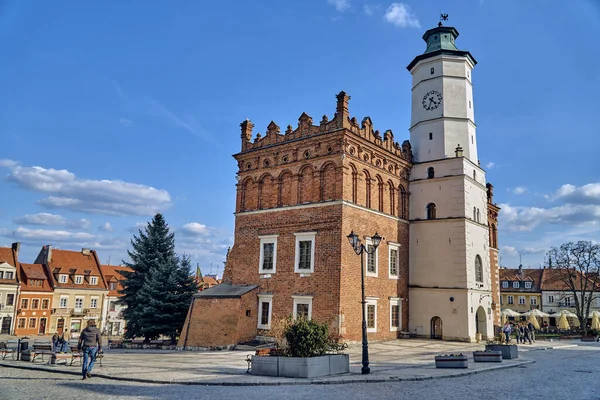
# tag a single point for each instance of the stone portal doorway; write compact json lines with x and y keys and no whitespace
{"x":60,"y":326}
{"x":436,"y":328}
{"x":42,"y":329}
{"x":480,"y":323}
{"x":5,"y":329}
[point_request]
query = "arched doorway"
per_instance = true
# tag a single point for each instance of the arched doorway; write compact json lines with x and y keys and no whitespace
{"x":436,"y":328}
{"x":480,"y":322}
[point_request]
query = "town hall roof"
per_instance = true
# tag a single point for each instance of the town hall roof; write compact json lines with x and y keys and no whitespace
{"x":225,"y":290}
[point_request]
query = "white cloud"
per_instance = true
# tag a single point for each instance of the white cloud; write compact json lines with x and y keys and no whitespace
{"x":490,"y":165}
{"x":509,"y":251}
{"x":6,"y":163}
{"x":586,"y":194}
{"x":522,"y":219}
{"x":519,"y":190}
{"x":106,"y":227}
{"x":400,"y":15}
{"x":48,"y":219}
{"x":46,"y":235}
{"x":340,"y":5}
{"x":194,"y":229}
{"x":125,"y":121}
{"x":137,"y":227}
{"x":368,"y":10}
{"x":112,"y":197}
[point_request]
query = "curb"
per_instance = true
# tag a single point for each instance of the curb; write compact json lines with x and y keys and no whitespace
{"x":276,"y":383}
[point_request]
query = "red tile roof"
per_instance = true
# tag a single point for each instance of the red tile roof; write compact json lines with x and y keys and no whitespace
{"x":112,"y":273}
{"x":554,"y":279}
{"x":74,"y":263}
{"x":528,"y":275}
{"x":30,"y":272}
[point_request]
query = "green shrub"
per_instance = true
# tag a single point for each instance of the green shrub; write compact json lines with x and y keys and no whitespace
{"x":308,"y":338}
{"x":593,"y":332}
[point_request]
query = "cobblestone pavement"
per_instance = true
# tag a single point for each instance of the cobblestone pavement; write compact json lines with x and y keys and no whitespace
{"x":570,"y":372}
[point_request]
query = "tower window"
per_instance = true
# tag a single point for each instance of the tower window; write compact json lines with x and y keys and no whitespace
{"x":478,"y":269}
{"x":430,"y":135}
{"x":431,"y":211}
{"x":430,"y":172}
{"x":474,"y":175}
{"x":469,"y":103}
{"x":432,"y":70}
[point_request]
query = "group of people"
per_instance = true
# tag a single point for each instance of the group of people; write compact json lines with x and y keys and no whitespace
{"x":60,"y":343}
{"x":524,"y":331}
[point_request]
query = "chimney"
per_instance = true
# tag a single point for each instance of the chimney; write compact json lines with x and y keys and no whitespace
{"x":341,"y":109}
{"x":16,"y":247}
{"x":85,"y":252}
{"x":48,"y":254}
{"x":246,"y":133}
{"x":458,"y":151}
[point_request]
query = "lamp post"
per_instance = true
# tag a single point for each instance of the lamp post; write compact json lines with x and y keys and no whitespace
{"x":359,"y":249}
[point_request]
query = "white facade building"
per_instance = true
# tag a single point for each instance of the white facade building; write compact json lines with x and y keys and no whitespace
{"x":450,"y":287}
{"x":9,"y":287}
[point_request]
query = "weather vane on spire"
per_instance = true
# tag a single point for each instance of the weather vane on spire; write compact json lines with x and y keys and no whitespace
{"x":443,"y":17}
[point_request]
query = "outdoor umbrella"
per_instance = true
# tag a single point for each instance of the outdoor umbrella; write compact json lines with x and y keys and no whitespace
{"x":510,"y":313}
{"x":534,"y":321}
{"x":569,"y":314}
{"x":536,"y":313}
{"x":562,"y":322}
{"x":595,"y":320}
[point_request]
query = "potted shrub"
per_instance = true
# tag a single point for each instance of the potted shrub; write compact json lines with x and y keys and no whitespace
{"x":308,"y":350}
{"x":509,"y":351}
{"x":451,"y":361}
{"x":487,"y":356}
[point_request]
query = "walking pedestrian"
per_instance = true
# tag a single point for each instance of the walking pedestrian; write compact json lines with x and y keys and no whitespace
{"x":531,"y":330}
{"x":526,"y":333}
{"x":507,"y":329}
{"x":518,"y":334}
{"x":90,"y":344}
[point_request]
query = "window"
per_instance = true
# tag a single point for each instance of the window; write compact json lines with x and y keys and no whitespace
{"x":501,"y":299}
{"x":521,"y":299}
{"x":305,"y":252}
{"x":372,"y":258}
{"x":24,"y":304}
{"x":265,"y":303}
{"x":32,"y":323}
{"x":63,"y":302}
{"x":431,"y":211}
{"x":527,"y":285}
{"x":469,"y":103}
{"x":112,"y":306}
{"x":112,"y":286}
{"x":516,"y":284}
{"x":78,"y":279}
{"x":430,"y":172}
{"x":432,"y":70}
{"x":35,"y":304}
{"x":268,"y":254}
{"x":505,"y":284}
{"x":474,"y":213}
{"x":62,"y":279}
{"x":533,"y":301}
{"x":78,"y":303}
{"x":1,"y":274}
{"x":93,"y":280}
{"x":94,"y":302}
{"x":393,"y":258}
{"x":478,"y":269}
{"x":478,"y":216}
{"x":511,"y":300}
{"x":430,"y":135}
{"x":567,"y":302}
{"x":10,"y":299}
{"x":371,"y":305}
{"x":8,"y":275}
{"x":395,"y":314}
{"x":36,"y":282}
{"x":302,"y":307}
{"x":550,"y":299}
{"x":45,"y":304}
{"x":474,"y":175}
{"x":21,"y":323}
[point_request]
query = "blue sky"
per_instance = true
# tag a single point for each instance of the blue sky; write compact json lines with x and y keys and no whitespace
{"x":110,"y":112}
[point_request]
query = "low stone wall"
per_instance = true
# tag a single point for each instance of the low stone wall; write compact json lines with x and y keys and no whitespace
{"x":301,"y":367}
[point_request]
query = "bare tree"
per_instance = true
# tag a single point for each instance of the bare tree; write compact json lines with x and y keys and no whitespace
{"x":579,"y":266}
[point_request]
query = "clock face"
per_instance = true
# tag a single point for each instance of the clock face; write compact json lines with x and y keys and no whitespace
{"x":432,"y":100}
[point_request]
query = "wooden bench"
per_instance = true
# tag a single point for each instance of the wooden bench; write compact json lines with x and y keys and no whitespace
{"x":5,"y":351}
{"x":78,"y":355}
{"x":41,"y":350}
{"x":115,"y":344}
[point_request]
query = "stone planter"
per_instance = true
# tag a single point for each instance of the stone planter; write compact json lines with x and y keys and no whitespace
{"x":451,"y":361}
{"x":509,"y":351}
{"x":487,"y":356}
{"x":589,"y":339}
{"x":301,"y":367}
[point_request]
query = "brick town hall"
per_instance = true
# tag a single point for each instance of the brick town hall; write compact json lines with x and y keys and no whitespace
{"x":301,"y":192}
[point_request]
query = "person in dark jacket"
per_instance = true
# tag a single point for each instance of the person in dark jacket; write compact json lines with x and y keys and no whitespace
{"x":90,"y":344}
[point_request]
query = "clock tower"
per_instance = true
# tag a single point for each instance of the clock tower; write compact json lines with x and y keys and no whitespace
{"x":449,"y":280}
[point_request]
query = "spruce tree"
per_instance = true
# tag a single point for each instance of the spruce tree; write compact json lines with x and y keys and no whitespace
{"x":159,"y":289}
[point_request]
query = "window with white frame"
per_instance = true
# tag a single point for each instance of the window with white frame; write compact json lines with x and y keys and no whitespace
{"x":94,"y":302}
{"x":63,"y":302}
{"x":371,"y":313}
{"x":265,"y":308}
{"x":62,"y":278}
{"x":78,"y":279}
{"x":527,"y":285}
{"x":511,"y":300}
{"x":550,"y":298}
{"x":533,"y":301}
{"x":393,"y":257}
{"x":93,"y":280}
{"x":505,"y":284}
{"x":268,"y":254}
{"x":78,"y":303}
{"x":8,"y":275}
{"x":521,"y":299}
{"x":567,"y":301}
{"x":305,"y":252}
{"x":302,"y":307}
{"x":395,"y":314}
{"x":372,"y":258}
{"x":516,"y":284}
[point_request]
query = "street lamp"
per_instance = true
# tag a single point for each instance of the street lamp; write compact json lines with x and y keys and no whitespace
{"x":359,"y":249}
